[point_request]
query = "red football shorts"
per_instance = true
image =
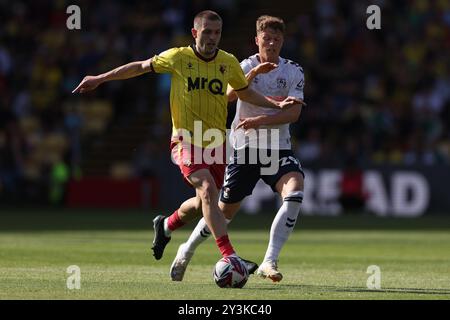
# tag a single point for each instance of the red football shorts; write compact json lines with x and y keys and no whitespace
{"x":190,"y":159}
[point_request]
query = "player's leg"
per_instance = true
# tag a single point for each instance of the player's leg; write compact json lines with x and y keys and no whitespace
{"x":199,"y":235}
{"x":206,"y":189}
{"x":235,"y":175}
{"x":240,"y":180}
{"x":202,"y":232}
{"x":189,"y":210}
{"x":206,"y":192}
{"x":290,"y":187}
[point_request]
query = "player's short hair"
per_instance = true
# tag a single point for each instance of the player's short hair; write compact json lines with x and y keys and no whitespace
{"x":206,"y":14}
{"x":265,"y":21}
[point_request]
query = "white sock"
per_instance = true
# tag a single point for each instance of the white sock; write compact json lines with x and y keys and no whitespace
{"x":200,"y":234}
{"x":283,"y":224}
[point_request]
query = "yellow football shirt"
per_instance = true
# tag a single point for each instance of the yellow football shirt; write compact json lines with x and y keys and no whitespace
{"x":198,"y":98}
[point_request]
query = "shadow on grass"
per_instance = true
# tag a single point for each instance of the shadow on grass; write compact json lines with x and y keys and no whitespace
{"x":358,"y":289}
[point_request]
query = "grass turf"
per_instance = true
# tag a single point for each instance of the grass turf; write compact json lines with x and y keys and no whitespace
{"x":325,"y":258}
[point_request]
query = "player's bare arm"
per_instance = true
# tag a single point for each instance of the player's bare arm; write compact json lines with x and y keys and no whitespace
{"x":260,"y":68}
{"x":288,"y":115}
{"x":130,"y":70}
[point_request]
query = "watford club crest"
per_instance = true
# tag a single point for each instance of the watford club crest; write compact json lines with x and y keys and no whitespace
{"x":223,"y":68}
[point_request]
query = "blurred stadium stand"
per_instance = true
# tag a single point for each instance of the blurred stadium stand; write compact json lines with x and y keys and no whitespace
{"x":378,"y":99}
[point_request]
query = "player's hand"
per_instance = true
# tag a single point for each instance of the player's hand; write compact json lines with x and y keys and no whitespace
{"x":249,"y":123}
{"x":265,"y":67}
{"x":89,"y":83}
{"x":290,"y":101}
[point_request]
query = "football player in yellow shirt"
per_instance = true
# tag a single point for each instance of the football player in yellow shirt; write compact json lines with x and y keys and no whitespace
{"x":198,"y":102}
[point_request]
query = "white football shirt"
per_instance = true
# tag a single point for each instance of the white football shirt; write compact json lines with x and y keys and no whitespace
{"x":286,"y":80}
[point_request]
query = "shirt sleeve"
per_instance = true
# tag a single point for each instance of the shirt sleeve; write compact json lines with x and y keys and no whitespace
{"x":237,"y":79}
{"x":165,"y":61}
{"x":246,"y":66}
{"x":297,"y":84}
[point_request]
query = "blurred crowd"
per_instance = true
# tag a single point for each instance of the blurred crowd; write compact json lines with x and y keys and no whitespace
{"x":377,"y":96}
{"x":374,"y":96}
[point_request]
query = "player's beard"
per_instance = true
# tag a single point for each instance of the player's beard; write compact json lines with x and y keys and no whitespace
{"x":210,"y":48}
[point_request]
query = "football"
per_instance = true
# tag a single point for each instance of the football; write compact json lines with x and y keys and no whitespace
{"x":230,"y":272}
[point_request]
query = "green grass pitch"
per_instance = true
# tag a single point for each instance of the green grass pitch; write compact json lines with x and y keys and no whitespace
{"x":325,"y":258}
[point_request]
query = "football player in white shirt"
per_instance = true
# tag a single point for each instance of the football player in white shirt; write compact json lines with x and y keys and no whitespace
{"x":275,"y":78}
